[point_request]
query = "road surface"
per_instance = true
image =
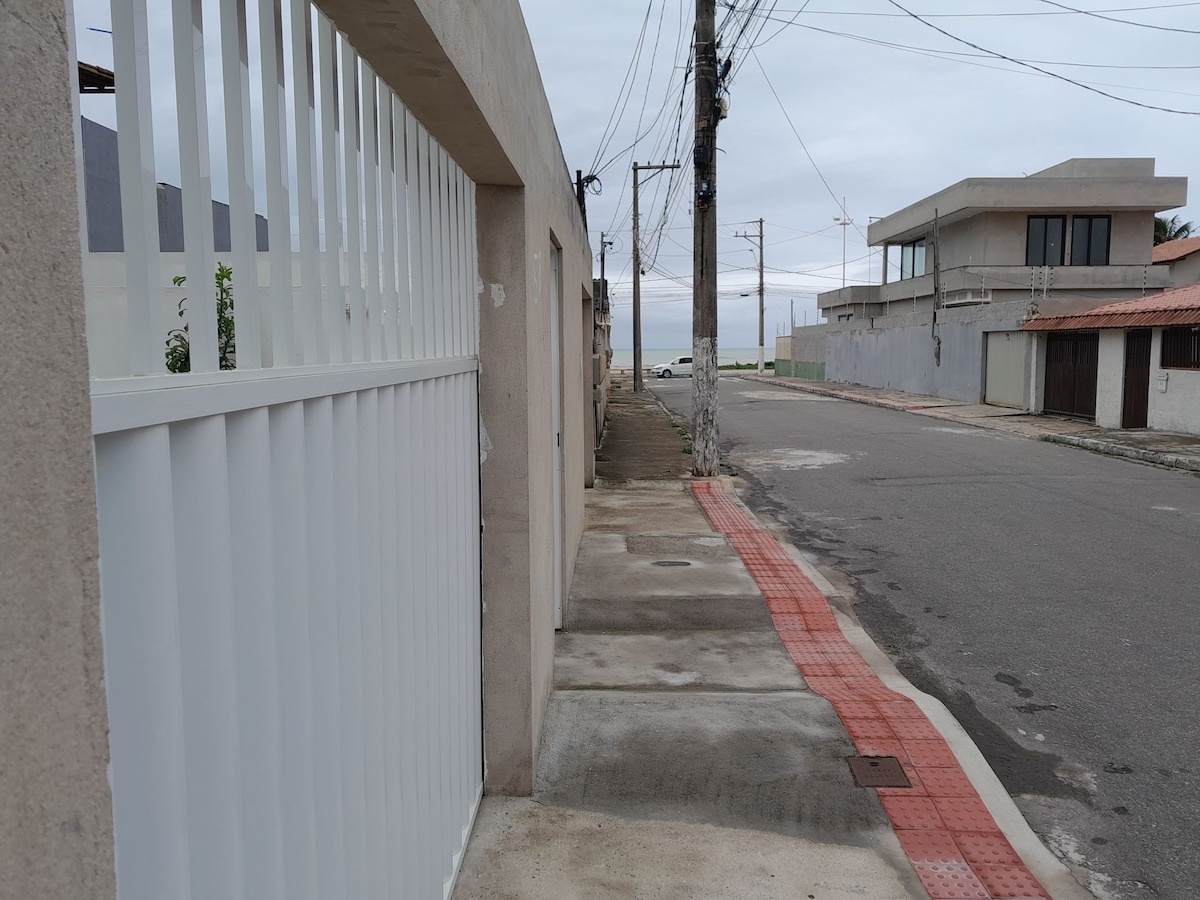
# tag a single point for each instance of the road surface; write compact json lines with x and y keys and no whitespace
{"x":1049,"y":596}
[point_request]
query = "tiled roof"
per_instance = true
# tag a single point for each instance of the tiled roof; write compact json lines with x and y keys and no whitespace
{"x":1178,"y":307}
{"x":1173,"y":250}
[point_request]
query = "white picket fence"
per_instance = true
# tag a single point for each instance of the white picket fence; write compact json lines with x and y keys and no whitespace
{"x":290,"y":551}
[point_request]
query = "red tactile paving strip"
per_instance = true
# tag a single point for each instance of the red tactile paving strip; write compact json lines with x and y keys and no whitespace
{"x":951,"y":839}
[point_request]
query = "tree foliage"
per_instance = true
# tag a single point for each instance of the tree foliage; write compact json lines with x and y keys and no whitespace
{"x":1171,"y":229}
{"x":179,"y":349}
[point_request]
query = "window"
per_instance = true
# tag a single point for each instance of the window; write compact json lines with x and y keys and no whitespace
{"x":912,"y":259}
{"x":1181,"y":347}
{"x":1044,"y":243}
{"x":1089,"y":240}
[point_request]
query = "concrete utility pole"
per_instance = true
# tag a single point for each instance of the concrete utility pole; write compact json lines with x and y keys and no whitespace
{"x":761,"y":299}
{"x":637,"y":275}
{"x":845,"y":221}
{"x":706,"y":458}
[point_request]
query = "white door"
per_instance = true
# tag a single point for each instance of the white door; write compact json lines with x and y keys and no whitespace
{"x":556,"y":450}
{"x":1007,"y":367}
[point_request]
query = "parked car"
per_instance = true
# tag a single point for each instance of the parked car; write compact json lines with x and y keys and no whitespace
{"x":680,"y":365}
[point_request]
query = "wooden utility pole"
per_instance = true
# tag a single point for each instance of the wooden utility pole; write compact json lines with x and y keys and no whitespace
{"x":706,"y":458}
{"x":637,"y":276}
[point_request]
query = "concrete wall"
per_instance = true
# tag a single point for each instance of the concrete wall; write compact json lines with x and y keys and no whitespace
{"x":1110,"y":378}
{"x":56,"y":813}
{"x":1186,"y":271}
{"x":808,"y":352}
{"x":1178,"y":407}
{"x":999,"y":239}
{"x":468,"y":72}
{"x":902,"y":352}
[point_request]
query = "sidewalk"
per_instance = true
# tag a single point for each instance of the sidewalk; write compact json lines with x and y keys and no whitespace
{"x":1164,"y":448}
{"x":706,"y":699}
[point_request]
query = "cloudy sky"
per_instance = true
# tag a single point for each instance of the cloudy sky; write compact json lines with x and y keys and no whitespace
{"x":889,"y":109}
{"x":837,"y":98}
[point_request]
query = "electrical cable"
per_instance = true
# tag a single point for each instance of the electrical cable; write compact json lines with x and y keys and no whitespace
{"x":1099,"y":15}
{"x":1079,"y":84}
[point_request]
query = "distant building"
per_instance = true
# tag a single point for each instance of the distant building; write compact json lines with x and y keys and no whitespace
{"x":102,"y":184}
{"x":979,"y":259}
{"x":1182,"y":258}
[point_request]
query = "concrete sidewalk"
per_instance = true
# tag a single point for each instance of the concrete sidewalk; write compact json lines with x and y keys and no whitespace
{"x":684,"y":755}
{"x":1163,"y":448}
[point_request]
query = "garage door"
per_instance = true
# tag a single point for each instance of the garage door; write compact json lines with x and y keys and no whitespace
{"x":1071,"y":362}
{"x":1004,"y":382}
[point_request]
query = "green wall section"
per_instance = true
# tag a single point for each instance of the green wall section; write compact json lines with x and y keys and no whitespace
{"x":807,"y":371}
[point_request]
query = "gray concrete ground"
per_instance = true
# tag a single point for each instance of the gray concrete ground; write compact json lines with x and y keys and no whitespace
{"x":1046,"y":596}
{"x":1163,"y":448}
{"x":683,"y":755}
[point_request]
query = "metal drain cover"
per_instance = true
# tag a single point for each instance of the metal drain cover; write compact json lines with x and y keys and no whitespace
{"x":671,"y":562}
{"x":878,"y":771}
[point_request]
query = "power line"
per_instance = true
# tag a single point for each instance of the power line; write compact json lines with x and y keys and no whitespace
{"x":1002,"y":15}
{"x":1079,"y":84}
{"x":950,"y":55}
{"x":1099,"y":15}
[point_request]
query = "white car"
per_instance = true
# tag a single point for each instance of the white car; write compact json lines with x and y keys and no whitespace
{"x":680,"y":365}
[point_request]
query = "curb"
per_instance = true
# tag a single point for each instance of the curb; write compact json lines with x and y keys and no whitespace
{"x":1108,"y":448}
{"x":841,"y":395}
{"x":942,"y":826}
{"x":1095,"y":445}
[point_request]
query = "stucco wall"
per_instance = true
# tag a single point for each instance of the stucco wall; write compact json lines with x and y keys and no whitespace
{"x":56,"y":812}
{"x":900,"y":351}
{"x":468,"y":72}
{"x":1186,"y":270}
{"x":1110,"y":378}
{"x":1177,"y":408}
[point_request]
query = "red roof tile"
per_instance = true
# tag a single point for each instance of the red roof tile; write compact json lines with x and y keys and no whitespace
{"x":1173,"y":250}
{"x":1177,"y":307}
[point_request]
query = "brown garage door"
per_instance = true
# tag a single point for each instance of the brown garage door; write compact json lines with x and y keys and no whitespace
{"x":1071,"y":361}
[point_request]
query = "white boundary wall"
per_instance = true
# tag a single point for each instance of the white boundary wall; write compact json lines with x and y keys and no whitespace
{"x":290,"y":551}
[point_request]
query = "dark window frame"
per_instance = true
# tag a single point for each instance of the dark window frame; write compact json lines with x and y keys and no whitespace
{"x":1090,"y":254}
{"x":1180,"y":348}
{"x":909,"y":259}
{"x":1036,"y":250}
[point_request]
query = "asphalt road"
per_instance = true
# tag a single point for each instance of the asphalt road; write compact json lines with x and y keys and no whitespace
{"x":1049,"y":596}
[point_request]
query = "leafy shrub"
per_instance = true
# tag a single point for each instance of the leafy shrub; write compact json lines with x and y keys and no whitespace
{"x":179,"y":348}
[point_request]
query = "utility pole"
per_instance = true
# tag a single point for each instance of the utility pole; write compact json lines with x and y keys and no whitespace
{"x":761,"y":298}
{"x":761,"y":301}
{"x":604,"y":245}
{"x":706,"y":458}
{"x":637,"y":275}
{"x":845,"y":221}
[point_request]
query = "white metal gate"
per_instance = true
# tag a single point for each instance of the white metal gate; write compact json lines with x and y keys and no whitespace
{"x":290,"y":548}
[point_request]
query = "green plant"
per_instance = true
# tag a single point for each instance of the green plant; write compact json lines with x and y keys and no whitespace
{"x":179,"y":348}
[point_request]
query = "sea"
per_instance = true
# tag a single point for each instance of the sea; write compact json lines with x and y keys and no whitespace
{"x":623,"y":359}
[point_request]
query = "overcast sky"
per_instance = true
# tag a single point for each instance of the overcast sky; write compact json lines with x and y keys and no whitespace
{"x":890,"y":109}
{"x":885,"y":126}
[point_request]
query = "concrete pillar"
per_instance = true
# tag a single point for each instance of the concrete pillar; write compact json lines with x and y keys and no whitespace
{"x":1037,"y":373}
{"x":56,"y":815}
{"x":508,"y":675}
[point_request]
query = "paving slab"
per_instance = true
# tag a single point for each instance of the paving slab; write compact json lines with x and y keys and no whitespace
{"x":769,"y":762}
{"x":523,"y":849}
{"x":644,"y":511}
{"x":713,"y":660}
{"x":623,"y":567}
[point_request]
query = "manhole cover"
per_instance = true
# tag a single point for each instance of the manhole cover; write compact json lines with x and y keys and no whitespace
{"x":878,"y":771}
{"x":671,"y":562}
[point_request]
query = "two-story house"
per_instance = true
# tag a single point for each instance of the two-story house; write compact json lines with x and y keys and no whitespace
{"x":977,"y":260}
